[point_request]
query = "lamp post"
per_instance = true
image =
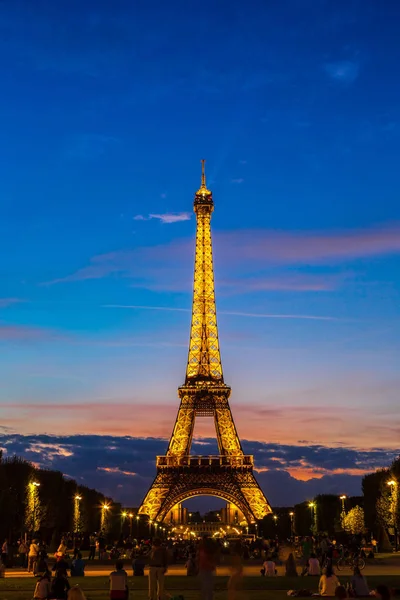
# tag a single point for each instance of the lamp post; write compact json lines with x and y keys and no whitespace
{"x":392,"y":483}
{"x":33,"y":493}
{"x":137,"y":525}
{"x":104,"y":510}
{"x":130,"y":523}
{"x":312,"y":509}
{"x":343,"y":499}
{"x":124,"y":514}
{"x":291,"y":515}
{"x":77,"y":513}
{"x":275,"y":518}
{"x":150,"y":522}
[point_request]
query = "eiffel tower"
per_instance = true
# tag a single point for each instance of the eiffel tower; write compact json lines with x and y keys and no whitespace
{"x":181,"y":475}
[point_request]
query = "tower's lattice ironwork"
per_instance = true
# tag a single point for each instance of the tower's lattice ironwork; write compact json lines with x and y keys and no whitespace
{"x":181,"y":475}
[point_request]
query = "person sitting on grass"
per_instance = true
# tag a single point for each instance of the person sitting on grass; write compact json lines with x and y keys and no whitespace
{"x":313,"y":567}
{"x":60,"y":586}
{"x":78,"y":566}
{"x":119,"y":582}
{"x":382,"y":592}
{"x":341,"y":592}
{"x":61,"y":565}
{"x":138,"y":565}
{"x":269,"y":569}
{"x":42,"y":588}
{"x":359,"y":583}
{"x":75,"y":593}
{"x":328,"y":582}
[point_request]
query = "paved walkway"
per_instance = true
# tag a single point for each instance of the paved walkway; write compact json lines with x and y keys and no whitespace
{"x":252,"y":570}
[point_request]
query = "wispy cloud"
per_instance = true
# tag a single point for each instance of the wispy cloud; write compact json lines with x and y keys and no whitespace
{"x":345,"y":71}
{"x":116,"y":471}
{"x":238,"y":181}
{"x":172,"y":217}
{"x":166,"y":217}
{"x":224,"y":312}
{"x":5,"y":302}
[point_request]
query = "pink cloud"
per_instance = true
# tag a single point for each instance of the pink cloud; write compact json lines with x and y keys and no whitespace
{"x":247,"y":250}
{"x":299,"y":283}
{"x":116,"y":470}
{"x":24,"y":333}
{"x":280,"y":424}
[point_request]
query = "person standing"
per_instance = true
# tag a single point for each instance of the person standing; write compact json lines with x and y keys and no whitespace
{"x":236,"y":578}
{"x":158,"y":564}
{"x":33,"y":556}
{"x":4,"y":552}
{"x":92,"y":547}
{"x":207,"y":562}
{"x":23,"y":554}
{"x":119,"y":582}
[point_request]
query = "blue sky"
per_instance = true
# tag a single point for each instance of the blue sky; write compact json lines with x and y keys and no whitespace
{"x":105,"y":112}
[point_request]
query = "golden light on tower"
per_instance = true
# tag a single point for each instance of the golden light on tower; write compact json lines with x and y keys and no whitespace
{"x":228,"y":475}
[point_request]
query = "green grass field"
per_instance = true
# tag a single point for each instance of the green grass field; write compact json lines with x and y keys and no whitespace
{"x":254,"y":588}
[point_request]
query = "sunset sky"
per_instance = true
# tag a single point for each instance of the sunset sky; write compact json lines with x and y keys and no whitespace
{"x":105,"y":112}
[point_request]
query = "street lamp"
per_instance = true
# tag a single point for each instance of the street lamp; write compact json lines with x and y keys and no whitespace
{"x":33,"y":496}
{"x":312,"y":507}
{"x":291,"y":515}
{"x":392,"y":483}
{"x":343,"y":499}
{"x":105,"y":507}
{"x":275,"y":518}
{"x":77,"y":513}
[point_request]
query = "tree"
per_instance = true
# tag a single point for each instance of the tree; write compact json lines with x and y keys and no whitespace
{"x":353,"y":522}
{"x":373,"y":486}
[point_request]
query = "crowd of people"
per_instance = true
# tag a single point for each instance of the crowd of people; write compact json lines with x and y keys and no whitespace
{"x":201,"y":557}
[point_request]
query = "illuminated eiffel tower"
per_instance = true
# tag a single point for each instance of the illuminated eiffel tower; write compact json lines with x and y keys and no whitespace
{"x":181,"y":475}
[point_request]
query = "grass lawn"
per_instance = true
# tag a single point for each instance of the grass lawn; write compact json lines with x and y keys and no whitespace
{"x":256,"y":588}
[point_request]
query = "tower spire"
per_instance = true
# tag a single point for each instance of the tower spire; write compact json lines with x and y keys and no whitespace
{"x":203,"y":173}
{"x":203,"y":191}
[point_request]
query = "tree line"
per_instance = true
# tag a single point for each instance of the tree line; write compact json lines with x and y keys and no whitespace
{"x":44,"y":503}
{"x":376,"y":512}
